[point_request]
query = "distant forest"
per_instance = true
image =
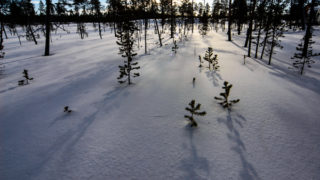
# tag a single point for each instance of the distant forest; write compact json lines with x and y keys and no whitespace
{"x":263,"y":20}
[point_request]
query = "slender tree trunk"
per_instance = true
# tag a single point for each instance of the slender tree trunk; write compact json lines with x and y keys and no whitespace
{"x":272,"y":44}
{"x":32,"y":34}
{"x":3,"y":30}
{"x":159,"y":35}
{"x":264,"y":43}
{"x":172,"y":28}
{"x":290,"y":15}
{"x":229,"y":22}
{"x":303,"y":14}
{"x":115,"y":28}
{"x":47,"y":45}
{"x":99,"y":30}
{"x":247,"y":38}
{"x":145,"y":35}
{"x":192,"y":18}
{"x":239,"y":27}
{"x":250,"y":26}
{"x":258,"y":40}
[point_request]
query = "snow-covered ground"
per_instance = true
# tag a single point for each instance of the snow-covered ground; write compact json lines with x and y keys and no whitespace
{"x":139,"y":132}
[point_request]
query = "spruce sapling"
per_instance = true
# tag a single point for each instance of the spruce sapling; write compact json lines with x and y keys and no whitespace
{"x":27,"y":78}
{"x":175,"y":47}
{"x":193,"y":109}
{"x":212,"y":60}
{"x":126,"y":42}
{"x":67,"y":110}
{"x":225,"y":103}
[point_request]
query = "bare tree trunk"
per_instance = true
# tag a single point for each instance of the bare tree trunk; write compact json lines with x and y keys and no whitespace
{"x":264,"y":43}
{"x":229,"y":22}
{"x":47,"y":46}
{"x":159,"y":35}
{"x":192,"y":18}
{"x":32,"y":34}
{"x":172,"y":28}
{"x":250,"y":26}
{"x":145,"y":35}
{"x":272,"y":44}
{"x":258,"y":40}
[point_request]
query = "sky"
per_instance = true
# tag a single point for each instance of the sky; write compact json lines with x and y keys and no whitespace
{"x":103,"y":2}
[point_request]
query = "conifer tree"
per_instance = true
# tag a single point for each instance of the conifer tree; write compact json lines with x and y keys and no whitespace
{"x":212,"y":60}
{"x":250,"y":29}
{"x":126,"y":42}
{"x":96,"y":6}
{"x":42,"y":10}
{"x":224,"y":99}
{"x":240,"y":13}
{"x":305,"y":52}
{"x":277,"y":27}
{"x":194,"y":110}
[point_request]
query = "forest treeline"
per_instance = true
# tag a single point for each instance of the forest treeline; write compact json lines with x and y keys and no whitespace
{"x":264,"y":20}
{"x":22,"y":12}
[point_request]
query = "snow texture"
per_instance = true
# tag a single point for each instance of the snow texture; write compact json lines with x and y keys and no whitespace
{"x":139,"y":132}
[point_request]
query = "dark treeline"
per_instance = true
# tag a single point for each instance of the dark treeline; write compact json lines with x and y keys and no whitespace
{"x":22,"y":12}
{"x":264,"y":20}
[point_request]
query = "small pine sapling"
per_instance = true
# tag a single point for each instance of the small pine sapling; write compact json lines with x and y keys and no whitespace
{"x":200,"y":61}
{"x":27,"y":78}
{"x":175,"y":47}
{"x":225,"y":103}
{"x":194,"y":110}
{"x":67,"y":110}
{"x":215,"y":65}
{"x":212,"y":60}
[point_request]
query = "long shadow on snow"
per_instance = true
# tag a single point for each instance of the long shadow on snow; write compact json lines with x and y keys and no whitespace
{"x":194,"y":166}
{"x":284,"y":72}
{"x":66,"y":142}
{"x":247,"y":172}
{"x":214,"y":76}
{"x":294,"y":77}
{"x":63,"y":143}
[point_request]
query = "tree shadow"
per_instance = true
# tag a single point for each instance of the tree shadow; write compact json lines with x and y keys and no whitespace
{"x":247,"y":171}
{"x":64,"y":145}
{"x":214,"y":76}
{"x":194,"y":166}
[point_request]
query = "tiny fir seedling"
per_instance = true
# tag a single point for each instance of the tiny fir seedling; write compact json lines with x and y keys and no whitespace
{"x":194,"y":110}
{"x":67,"y":110}
{"x":175,"y":47}
{"x":25,"y":74}
{"x":224,"y":99}
{"x":212,"y":60}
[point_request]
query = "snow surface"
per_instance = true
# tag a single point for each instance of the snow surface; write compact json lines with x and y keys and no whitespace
{"x":139,"y":132}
